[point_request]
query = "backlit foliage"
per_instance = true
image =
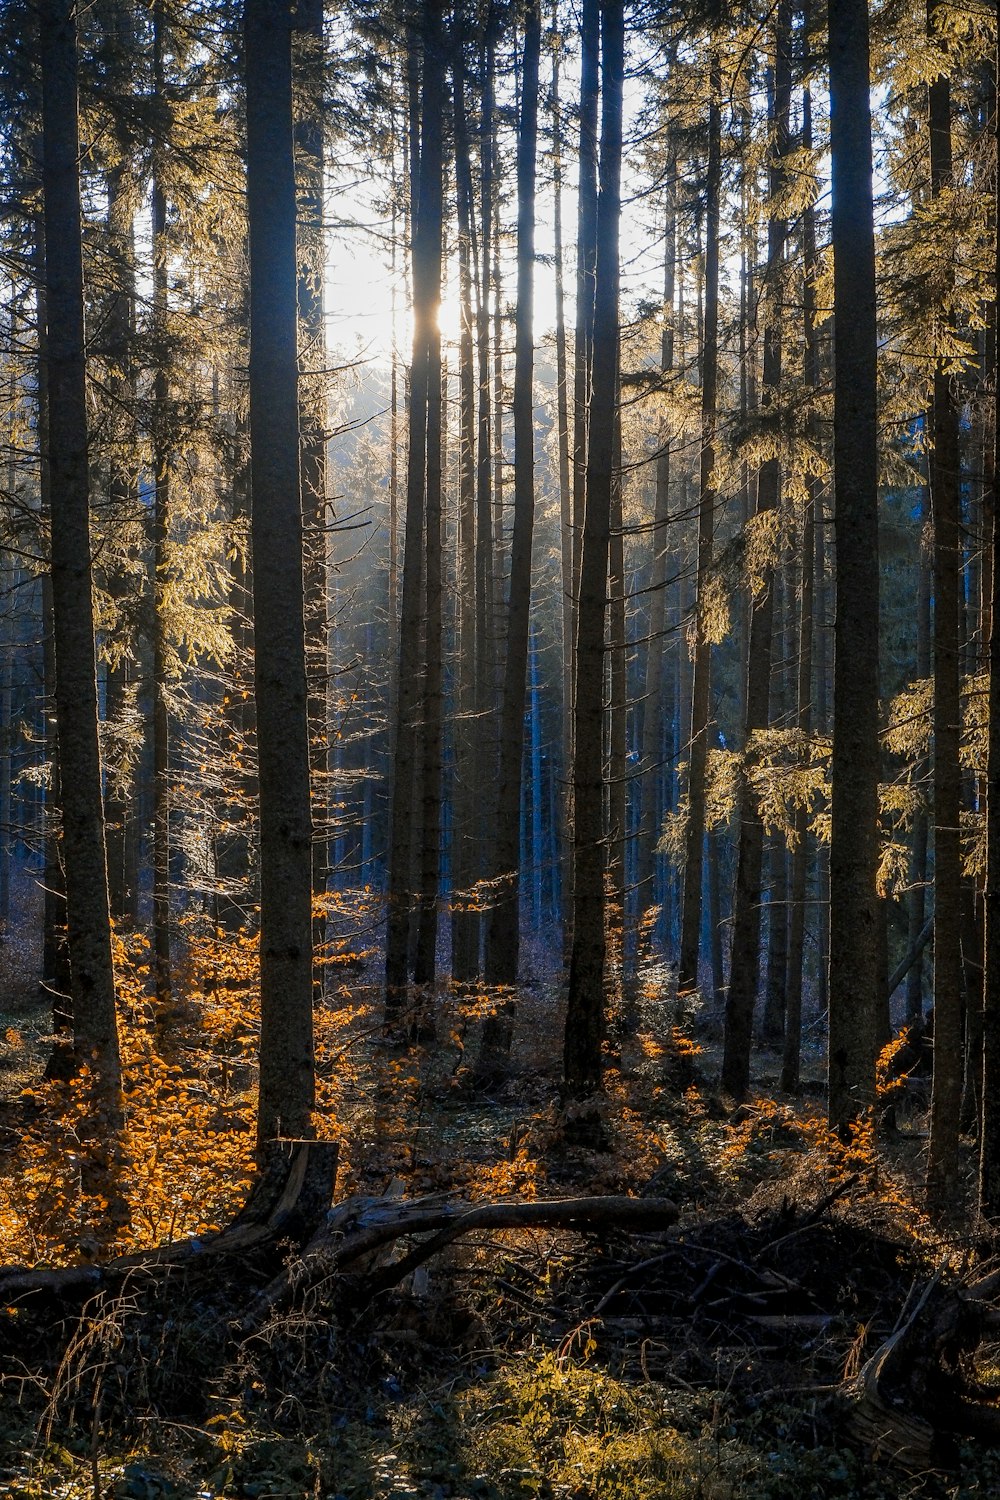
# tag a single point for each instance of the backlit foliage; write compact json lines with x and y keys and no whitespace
{"x":71,"y":1187}
{"x":182,"y":1163}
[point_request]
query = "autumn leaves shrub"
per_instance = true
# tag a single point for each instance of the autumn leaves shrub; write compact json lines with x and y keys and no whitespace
{"x":72,"y":1185}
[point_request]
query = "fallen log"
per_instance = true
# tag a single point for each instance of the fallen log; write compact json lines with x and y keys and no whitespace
{"x":289,"y":1206}
{"x":357,"y":1231}
{"x":289,"y":1198}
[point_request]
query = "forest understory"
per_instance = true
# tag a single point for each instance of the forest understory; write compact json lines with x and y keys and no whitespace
{"x":499,"y":750}
{"x":802,"y":1329}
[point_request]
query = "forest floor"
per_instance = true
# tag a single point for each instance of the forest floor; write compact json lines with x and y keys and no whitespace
{"x":723,"y":1358}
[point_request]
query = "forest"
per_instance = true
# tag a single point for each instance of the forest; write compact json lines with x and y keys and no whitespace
{"x":499,"y":749}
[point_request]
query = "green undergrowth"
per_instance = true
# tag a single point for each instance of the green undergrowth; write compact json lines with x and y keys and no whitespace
{"x":544,"y":1426}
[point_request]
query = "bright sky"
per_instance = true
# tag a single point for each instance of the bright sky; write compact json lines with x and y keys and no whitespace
{"x":359,"y":291}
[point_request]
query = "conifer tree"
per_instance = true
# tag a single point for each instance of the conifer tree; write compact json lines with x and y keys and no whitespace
{"x":502,"y":945}
{"x":855,"y":758}
{"x":989,"y":1157}
{"x":66,"y":454}
{"x":745,"y":964}
{"x":286,"y":1043}
{"x":585,"y":1009}
{"x":697,"y":744}
{"x":942,"y":1160}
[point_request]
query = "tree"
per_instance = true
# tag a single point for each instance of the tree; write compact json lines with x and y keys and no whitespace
{"x":162,"y":430}
{"x":585,"y":1008}
{"x":464,"y":918}
{"x":989,"y":1160}
{"x":804,"y":708}
{"x":423,"y":473}
{"x":694,"y":838}
{"x":652,"y":717}
{"x":946,"y":1092}
{"x":88,"y":917}
{"x":855,"y":757}
{"x":586,"y":254}
{"x":308,"y":58}
{"x":286,"y":1042}
{"x":745,"y":963}
{"x":431,"y":214}
{"x":502,"y":946}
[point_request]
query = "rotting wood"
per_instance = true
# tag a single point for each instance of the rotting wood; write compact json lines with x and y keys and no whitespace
{"x":357,"y":1229}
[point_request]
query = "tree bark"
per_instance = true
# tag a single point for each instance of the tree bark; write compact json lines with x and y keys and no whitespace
{"x":916,"y":905}
{"x":617,"y":709}
{"x":502,"y":944}
{"x":583,"y":348}
{"x":651,"y":772}
{"x":286,"y":1040}
{"x":989,"y":1156}
{"x":119,"y":794}
{"x":804,"y":689}
{"x":946,"y":1088}
{"x":694,"y":841}
{"x":161,"y":435}
{"x":400,"y":883}
{"x":95,"y":1031}
{"x":585,"y":1009}
{"x":486,"y":653}
{"x":431,"y":209}
{"x":855,"y":758}
{"x":586,"y":262}
{"x":308,"y":60}
{"x":464,"y":918}
{"x":744,"y":977}
{"x":566,"y":519}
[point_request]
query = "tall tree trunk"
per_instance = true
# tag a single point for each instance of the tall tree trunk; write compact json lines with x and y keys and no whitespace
{"x":800,"y":849}
{"x":502,"y":939}
{"x":286,"y":1035}
{"x":400,"y":884}
{"x":56,"y":982}
{"x":538,"y":853}
{"x":95,"y":1031}
{"x":236,"y":860}
{"x":855,"y":758}
{"x":566,"y":519}
{"x":946,"y":1089}
{"x":617,"y":710}
{"x":744,"y":976}
{"x":119,"y":811}
{"x":308,"y":60}
{"x":713,"y":849}
{"x":586,"y":261}
{"x":162,"y":434}
{"x":989,"y":1155}
{"x":485,"y":734}
{"x":464,"y":920}
{"x":651,"y":772}
{"x":432,"y":735}
{"x":776,"y":970}
{"x":583,"y":349}
{"x":916,"y":906}
{"x":499,"y":457}
{"x":694,"y":841}
{"x":585,"y":1009}
{"x":804,"y":689}
{"x":393,"y":579}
